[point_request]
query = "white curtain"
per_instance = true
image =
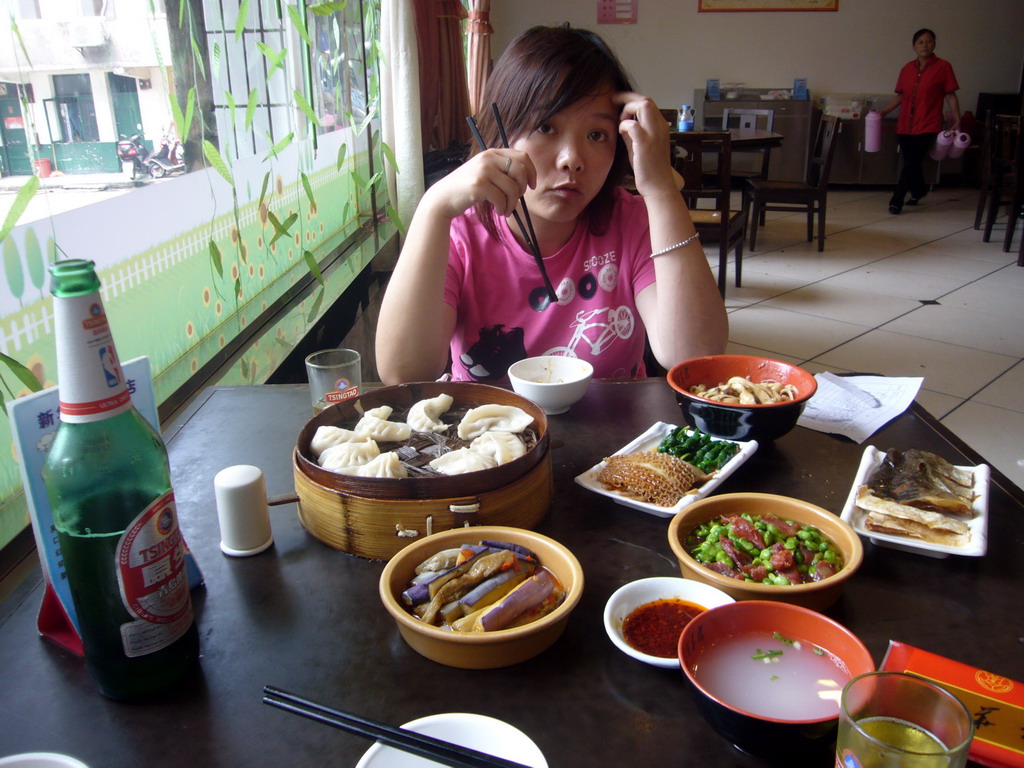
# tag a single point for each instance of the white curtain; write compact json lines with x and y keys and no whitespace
{"x":400,"y":105}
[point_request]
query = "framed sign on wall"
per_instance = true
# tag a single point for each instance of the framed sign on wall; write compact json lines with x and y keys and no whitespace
{"x":767,"y":5}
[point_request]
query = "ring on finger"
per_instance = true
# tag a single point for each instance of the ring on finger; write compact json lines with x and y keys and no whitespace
{"x":508,"y":165}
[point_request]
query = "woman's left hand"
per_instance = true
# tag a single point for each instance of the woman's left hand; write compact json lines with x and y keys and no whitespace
{"x":645,"y":132}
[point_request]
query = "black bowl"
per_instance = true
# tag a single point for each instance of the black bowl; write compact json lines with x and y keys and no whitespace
{"x":763,"y":423}
{"x":776,"y":740}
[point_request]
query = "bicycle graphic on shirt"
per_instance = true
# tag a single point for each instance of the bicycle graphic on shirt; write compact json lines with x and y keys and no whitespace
{"x":611,"y":324}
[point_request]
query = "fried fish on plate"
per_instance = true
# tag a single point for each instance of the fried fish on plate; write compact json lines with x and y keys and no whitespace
{"x":918,"y":494}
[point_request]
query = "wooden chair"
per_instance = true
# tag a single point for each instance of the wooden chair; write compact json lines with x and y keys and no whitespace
{"x":716,"y":222}
{"x":1004,"y":186}
{"x":809,"y":195}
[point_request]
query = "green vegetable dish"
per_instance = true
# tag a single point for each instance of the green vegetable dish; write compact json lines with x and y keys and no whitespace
{"x":767,"y":550}
{"x":698,"y":448}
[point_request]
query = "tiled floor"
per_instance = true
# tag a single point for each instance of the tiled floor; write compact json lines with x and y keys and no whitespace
{"x":917,"y":294}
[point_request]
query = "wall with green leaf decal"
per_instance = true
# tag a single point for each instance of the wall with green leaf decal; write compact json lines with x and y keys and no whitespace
{"x":287,"y":177}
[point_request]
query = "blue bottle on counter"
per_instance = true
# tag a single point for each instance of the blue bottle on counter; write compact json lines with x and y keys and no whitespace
{"x":686,"y":118}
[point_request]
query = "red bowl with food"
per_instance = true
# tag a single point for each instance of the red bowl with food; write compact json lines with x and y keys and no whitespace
{"x":768,"y":677}
{"x":741,"y":397}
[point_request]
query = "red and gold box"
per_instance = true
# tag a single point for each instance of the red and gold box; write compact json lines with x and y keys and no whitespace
{"x":996,"y":702}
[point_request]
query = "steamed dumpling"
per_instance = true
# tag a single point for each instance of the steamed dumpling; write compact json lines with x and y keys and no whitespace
{"x":384,"y":465}
{"x":326,"y":437}
{"x":461,"y":461}
{"x":344,"y":455}
{"x":375,"y":426}
{"x":425,"y":416}
{"x":503,"y":447}
{"x":484,"y":418}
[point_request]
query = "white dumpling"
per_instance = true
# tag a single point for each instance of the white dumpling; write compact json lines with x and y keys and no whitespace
{"x":503,"y":447}
{"x":425,"y":416}
{"x":377,"y":427}
{"x":461,"y":461}
{"x":484,"y":418}
{"x":348,"y":454}
{"x":326,"y":437}
{"x":380,"y":412}
{"x":385,"y":465}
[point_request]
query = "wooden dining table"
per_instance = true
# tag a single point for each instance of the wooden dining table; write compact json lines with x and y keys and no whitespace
{"x":307,"y":618}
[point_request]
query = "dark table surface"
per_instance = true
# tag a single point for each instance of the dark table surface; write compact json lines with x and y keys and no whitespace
{"x":307,"y":618}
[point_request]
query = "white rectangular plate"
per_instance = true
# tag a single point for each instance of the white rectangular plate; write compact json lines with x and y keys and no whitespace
{"x":976,"y":547}
{"x":648,"y":441}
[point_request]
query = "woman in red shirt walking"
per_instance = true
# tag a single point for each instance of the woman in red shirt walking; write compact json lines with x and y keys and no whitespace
{"x":923,"y":85}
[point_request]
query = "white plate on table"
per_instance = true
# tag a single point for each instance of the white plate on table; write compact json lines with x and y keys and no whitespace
{"x":978,"y":526}
{"x":479,"y":732}
{"x":648,"y":441}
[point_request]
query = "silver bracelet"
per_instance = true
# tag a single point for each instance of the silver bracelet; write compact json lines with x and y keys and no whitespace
{"x":680,"y":244}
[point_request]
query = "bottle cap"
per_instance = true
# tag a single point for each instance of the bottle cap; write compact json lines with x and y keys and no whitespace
{"x":242,"y":510}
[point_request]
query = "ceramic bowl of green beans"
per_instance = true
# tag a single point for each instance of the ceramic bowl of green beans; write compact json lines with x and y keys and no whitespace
{"x":761,"y":546}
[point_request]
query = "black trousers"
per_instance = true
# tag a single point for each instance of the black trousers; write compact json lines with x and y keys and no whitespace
{"x":914,"y":148}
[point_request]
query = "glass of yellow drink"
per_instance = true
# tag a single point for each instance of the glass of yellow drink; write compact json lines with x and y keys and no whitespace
{"x":897,"y":720}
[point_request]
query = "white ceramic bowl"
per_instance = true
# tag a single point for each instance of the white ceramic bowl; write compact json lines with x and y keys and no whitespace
{"x":479,"y":732}
{"x":551,"y":381}
{"x":631,"y":596}
{"x":41,"y":760}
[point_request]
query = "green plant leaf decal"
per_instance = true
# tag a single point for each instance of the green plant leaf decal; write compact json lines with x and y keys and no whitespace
{"x":395,"y":218}
{"x":389,"y":154}
{"x":280,"y":229}
{"x":250,"y":109}
{"x":21,"y":43}
{"x":315,"y":309}
{"x":314,"y":268}
{"x":215,"y":59}
{"x":24,"y":375}
{"x":214,"y":158}
{"x":341,"y":156}
{"x":300,"y":24}
{"x":326,"y":9}
{"x":301,"y":103}
{"x":177,"y":114}
{"x":279,"y":147}
{"x":190,"y":108}
{"x":12,"y":268}
{"x":215,"y":258}
{"x":263,"y":191}
{"x":197,"y":56}
{"x":275,"y":59}
{"x":243,"y":16}
{"x":28,"y":189}
{"x":307,"y":187}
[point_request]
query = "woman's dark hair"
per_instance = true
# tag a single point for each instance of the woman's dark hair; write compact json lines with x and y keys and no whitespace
{"x":923,"y":31}
{"x":543,"y":71}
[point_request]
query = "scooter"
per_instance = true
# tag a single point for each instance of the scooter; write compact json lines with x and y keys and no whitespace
{"x":133,"y":156}
{"x":168,"y":160}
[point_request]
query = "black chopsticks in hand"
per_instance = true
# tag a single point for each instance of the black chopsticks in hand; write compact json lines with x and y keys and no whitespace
{"x":526,"y":230}
{"x":427,"y":747}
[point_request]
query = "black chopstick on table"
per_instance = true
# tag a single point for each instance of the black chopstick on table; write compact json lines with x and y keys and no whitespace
{"x":399,"y":738}
{"x":528,"y":234}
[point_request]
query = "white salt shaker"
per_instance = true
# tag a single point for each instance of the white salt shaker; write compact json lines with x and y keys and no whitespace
{"x":242,"y":510}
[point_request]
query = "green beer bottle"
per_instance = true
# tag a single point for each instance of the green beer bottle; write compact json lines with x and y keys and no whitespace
{"x":109,"y":483}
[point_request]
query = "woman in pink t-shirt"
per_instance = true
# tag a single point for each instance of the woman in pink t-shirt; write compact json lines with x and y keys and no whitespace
{"x":924,"y":84}
{"x":466,"y":288}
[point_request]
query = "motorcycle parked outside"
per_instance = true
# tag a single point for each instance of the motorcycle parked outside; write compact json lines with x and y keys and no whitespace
{"x":133,"y":155}
{"x":168,"y":160}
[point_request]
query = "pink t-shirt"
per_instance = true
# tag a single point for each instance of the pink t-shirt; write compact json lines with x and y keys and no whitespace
{"x":504,"y":315}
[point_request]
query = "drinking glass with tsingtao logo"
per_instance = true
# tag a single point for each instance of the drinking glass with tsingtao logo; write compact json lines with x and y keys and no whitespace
{"x":334,"y":376}
{"x":896,"y":720}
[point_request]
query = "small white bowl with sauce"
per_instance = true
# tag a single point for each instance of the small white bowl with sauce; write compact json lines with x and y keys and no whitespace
{"x":695,"y":595}
{"x":551,"y":381}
